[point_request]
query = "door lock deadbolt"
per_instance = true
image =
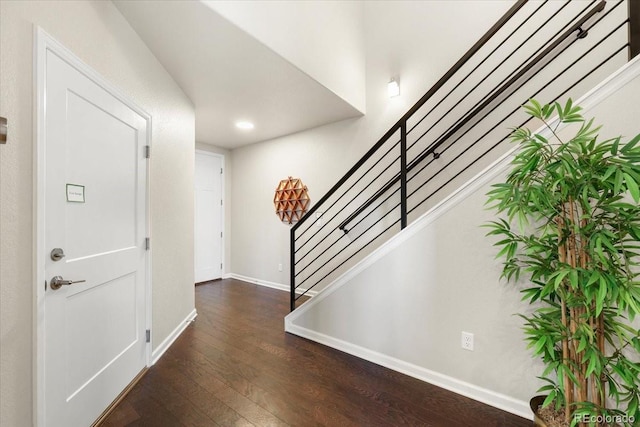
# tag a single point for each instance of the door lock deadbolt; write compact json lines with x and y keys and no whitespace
{"x":57,"y":254}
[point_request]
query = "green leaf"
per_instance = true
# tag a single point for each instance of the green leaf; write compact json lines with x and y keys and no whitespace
{"x":550,"y":398}
{"x":559,"y":277}
{"x":614,"y":146}
{"x":582,"y":345}
{"x":560,"y":110}
{"x":534,"y":108}
{"x":617,"y":185}
{"x":593,"y":362}
{"x":539,"y":345}
{"x":573,"y":279}
{"x":602,"y":294}
{"x":630,"y":145}
{"x":610,"y":170}
{"x":632,"y":186}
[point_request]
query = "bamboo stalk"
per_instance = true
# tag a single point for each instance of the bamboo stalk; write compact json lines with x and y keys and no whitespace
{"x":572,"y":235}
{"x":576,"y":313}
{"x":584,"y":257}
{"x":601,"y":344}
{"x":595,"y":396}
{"x":568,"y":386}
{"x":577,"y":357}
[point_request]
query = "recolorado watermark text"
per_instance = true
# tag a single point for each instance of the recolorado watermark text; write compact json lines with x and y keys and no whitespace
{"x":609,"y":419}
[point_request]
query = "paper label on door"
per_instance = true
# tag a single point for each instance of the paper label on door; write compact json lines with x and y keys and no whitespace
{"x":75,"y":193}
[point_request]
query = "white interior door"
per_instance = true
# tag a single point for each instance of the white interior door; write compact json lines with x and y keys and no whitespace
{"x":208,"y":216}
{"x":95,"y":212}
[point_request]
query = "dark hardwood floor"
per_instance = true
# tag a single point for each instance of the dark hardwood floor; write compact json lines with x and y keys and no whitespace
{"x":235,"y":366}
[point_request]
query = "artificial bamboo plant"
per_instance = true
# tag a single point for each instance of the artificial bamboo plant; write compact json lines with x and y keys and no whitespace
{"x":570,"y":230}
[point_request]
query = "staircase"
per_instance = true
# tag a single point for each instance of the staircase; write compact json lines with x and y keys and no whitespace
{"x":547,"y":50}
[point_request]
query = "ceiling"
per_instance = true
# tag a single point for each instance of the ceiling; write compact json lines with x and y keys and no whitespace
{"x":230,"y":76}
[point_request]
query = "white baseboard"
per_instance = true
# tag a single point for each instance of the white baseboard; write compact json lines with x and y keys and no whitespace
{"x":164,"y":345}
{"x":267,"y":283}
{"x":463,"y":388}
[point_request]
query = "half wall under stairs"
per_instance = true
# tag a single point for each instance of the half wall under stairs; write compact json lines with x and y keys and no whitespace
{"x":406,"y":304}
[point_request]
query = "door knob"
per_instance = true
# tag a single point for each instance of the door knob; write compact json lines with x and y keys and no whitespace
{"x":57,"y":282}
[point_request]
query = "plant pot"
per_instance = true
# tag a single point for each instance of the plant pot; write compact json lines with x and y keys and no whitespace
{"x":534,"y":404}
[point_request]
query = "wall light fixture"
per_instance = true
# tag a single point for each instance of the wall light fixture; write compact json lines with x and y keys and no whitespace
{"x":393,"y":88}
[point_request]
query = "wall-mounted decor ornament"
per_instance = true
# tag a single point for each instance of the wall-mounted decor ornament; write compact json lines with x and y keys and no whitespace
{"x":291,"y":200}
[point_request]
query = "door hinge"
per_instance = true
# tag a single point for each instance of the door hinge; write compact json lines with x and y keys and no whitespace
{"x":220,"y":202}
{"x":147,"y":243}
{"x":221,"y":234}
{"x":220,"y":266}
{"x":3,"y":130}
{"x":220,"y":171}
{"x":148,"y":335}
{"x":147,"y":152}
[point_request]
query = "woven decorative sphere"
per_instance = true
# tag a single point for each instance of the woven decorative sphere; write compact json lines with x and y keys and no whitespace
{"x":291,"y":200}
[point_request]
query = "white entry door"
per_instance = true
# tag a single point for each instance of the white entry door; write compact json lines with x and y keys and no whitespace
{"x":208,"y":216}
{"x":93,"y":185}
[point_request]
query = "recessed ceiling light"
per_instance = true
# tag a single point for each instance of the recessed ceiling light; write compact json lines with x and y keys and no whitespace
{"x":244,"y":125}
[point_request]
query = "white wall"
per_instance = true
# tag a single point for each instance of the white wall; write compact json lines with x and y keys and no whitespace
{"x":97,"y":33}
{"x":418,"y":41}
{"x":259,"y":241}
{"x":407,"y":310}
{"x":402,"y":38}
{"x":407,"y":306}
{"x":322,"y":38}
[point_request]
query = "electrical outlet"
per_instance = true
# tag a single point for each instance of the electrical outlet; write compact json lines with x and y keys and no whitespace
{"x":467,"y":341}
{"x":279,"y":267}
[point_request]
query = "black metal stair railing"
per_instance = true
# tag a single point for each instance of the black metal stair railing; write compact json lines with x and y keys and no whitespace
{"x":448,"y":134}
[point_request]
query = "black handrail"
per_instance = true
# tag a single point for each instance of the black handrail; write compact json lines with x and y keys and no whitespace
{"x":319,"y":255}
{"x":502,"y":62}
{"x":465,"y":58}
{"x":494,"y":29}
{"x":489,"y":99}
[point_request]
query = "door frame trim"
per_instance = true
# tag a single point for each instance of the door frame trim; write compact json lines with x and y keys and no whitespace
{"x":43,"y":42}
{"x":224,"y":205}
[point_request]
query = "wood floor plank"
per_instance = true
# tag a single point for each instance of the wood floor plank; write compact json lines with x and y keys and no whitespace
{"x":203,"y":383}
{"x":201,"y":398}
{"x":269,"y":374}
{"x":235,"y":366}
{"x":325,"y":389}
